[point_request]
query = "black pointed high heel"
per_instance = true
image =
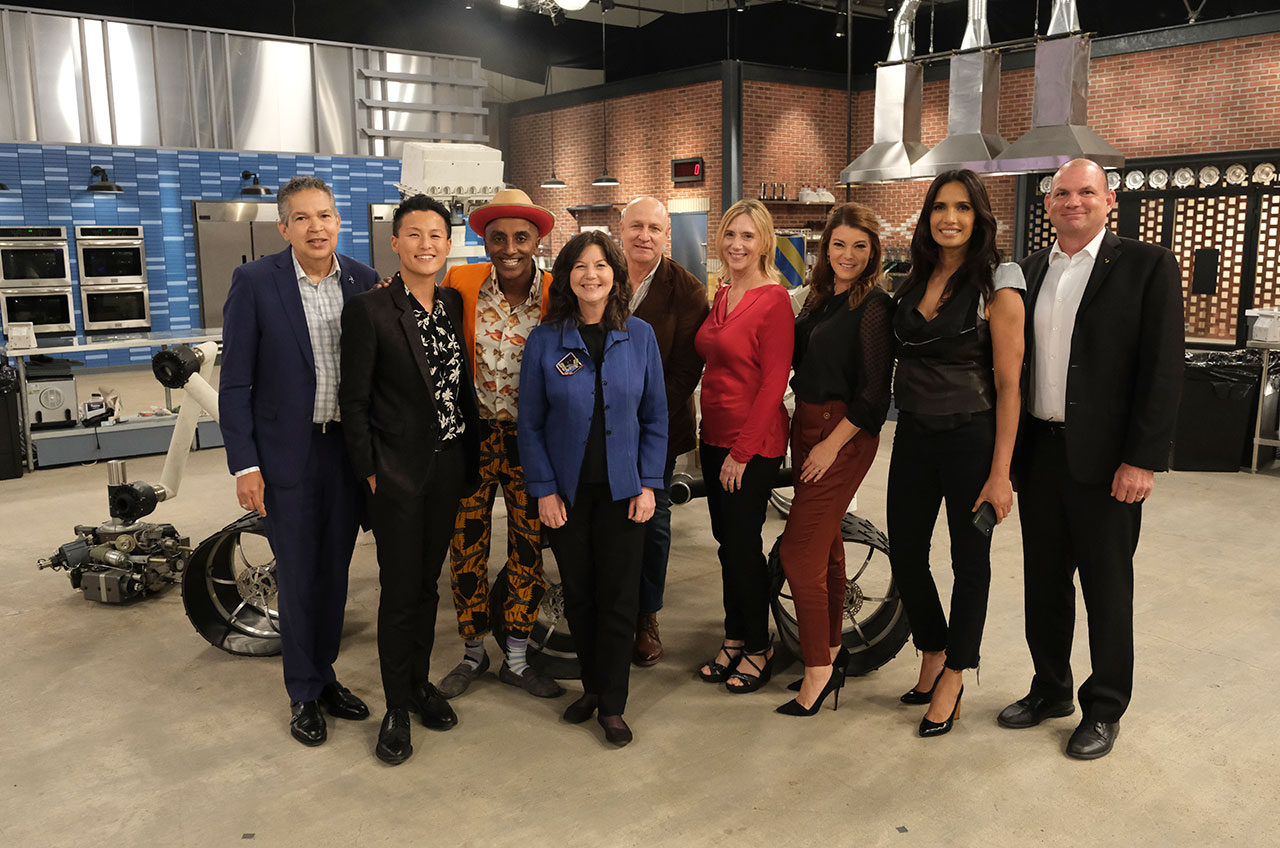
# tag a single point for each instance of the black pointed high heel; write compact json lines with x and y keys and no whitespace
{"x":915,"y":696}
{"x":840,"y":664}
{"x":933,"y":728}
{"x":834,"y":684}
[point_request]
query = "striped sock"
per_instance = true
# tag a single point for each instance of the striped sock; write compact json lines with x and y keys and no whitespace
{"x":517,"y":652}
{"x":474,"y":652}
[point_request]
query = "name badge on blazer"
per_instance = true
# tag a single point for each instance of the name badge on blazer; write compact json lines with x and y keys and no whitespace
{"x":569,"y":365}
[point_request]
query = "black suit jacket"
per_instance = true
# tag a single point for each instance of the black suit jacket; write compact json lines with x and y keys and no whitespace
{"x":675,"y":307}
{"x":388,"y":406}
{"x":1125,"y":373}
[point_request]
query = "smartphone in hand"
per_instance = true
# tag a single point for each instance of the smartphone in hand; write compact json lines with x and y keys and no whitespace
{"x":984,"y":520}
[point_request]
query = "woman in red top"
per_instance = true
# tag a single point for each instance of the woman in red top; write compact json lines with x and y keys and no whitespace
{"x":747,"y":342}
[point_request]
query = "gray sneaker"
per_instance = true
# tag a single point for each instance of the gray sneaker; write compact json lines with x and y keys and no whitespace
{"x":532,"y":681}
{"x":457,"y":681}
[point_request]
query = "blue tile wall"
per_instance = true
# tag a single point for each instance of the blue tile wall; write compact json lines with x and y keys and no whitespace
{"x":48,"y":186}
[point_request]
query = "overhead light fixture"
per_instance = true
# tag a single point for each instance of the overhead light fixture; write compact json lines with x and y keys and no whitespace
{"x":740,"y":5}
{"x":572,"y":5}
{"x":103,"y":184}
{"x":604,"y":179}
{"x":511,"y":4}
{"x":254,"y":188}
{"x":842,"y":28}
{"x":607,"y":5}
{"x":554,"y":181}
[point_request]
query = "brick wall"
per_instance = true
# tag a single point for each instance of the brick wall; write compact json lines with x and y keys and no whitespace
{"x":646,"y":131}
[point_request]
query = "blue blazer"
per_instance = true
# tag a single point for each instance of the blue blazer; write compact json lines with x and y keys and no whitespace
{"x":556,"y":410}
{"x":267,"y":389}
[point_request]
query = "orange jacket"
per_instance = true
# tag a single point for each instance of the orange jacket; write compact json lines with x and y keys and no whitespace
{"x":467,"y":280}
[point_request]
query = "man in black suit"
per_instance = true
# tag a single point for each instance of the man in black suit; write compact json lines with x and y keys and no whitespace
{"x":409,"y":413}
{"x":1103,"y":371}
{"x":278,"y":399}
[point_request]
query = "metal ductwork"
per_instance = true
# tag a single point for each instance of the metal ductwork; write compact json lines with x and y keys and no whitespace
{"x":896,"y":144}
{"x":973,"y":111}
{"x":1059,"y":120}
{"x":1063,"y":18}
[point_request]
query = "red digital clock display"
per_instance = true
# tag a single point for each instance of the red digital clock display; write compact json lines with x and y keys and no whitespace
{"x":688,"y":170}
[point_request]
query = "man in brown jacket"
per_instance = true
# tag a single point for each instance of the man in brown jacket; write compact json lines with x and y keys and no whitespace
{"x":674,"y":303}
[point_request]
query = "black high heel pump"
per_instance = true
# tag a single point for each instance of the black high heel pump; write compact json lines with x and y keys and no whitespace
{"x":834,"y":684}
{"x":840,"y":664}
{"x":934,"y":728}
{"x":915,"y":696}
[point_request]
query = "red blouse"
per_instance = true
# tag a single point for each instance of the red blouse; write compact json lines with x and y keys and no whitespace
{"x":748,"y":356}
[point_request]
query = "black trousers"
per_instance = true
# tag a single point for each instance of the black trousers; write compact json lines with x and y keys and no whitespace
{"x":737,"y":520}
{"x":312,"y":528}
{"x":599,"y":551}
{"x":413,"y":533}
{"x":1067,"y":527}
{"x":927,"y":468}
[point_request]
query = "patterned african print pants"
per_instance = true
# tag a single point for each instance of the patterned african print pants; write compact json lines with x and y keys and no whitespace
{"x":469,"y":549}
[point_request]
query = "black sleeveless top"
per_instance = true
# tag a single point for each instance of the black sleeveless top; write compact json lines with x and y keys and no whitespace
{"x":945,"y":369}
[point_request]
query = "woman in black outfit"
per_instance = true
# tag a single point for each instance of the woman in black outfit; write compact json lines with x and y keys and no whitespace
{"x":959,"y":326}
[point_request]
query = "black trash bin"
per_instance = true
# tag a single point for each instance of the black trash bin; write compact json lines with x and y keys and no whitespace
{"x":1219,"y":406}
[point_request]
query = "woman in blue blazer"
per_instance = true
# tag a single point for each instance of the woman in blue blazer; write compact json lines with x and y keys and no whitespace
{"x":593,"y":441}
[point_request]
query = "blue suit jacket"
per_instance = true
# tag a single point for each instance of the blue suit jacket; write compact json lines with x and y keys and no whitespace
{"x":556,"y":410}
{"x":267,"y":390}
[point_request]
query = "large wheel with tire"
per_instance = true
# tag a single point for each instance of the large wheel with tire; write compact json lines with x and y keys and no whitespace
{"x":229,"y":590}
{"x":551,"y":648}
{"x":875,"y":623}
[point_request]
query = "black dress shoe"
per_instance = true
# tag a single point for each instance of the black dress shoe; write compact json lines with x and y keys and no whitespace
{"x":393,"y":739}
{"x":581,"y":709}
{"x":340,"y":703}
{"x":1031,"y":710}
{"x":434,"y":710}
{"x":616,"y":731}
{"x":307,"y":724}
{"x":1093,"y":739}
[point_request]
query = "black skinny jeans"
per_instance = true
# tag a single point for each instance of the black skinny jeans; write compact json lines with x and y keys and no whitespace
{"x":598,"y":552}
{"x":926,"y":468}
{"x":737,"y":519}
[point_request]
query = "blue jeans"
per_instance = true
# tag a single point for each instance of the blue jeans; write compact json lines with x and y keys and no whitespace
{"x":657,"y":546}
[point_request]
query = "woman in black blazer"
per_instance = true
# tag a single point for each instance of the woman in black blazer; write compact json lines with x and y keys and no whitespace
{"x":409,"y":417}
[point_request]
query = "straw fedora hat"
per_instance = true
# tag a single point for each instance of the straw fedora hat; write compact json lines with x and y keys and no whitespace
{"x":511,"y":203}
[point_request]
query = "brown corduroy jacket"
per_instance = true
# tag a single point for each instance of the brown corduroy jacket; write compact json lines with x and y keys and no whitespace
{"x":675,"y":307}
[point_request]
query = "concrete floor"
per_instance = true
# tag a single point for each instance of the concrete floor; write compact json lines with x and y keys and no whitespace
{"x":123,"y":727}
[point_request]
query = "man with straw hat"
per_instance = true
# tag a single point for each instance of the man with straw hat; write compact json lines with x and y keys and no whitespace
{"x":502,"y":301}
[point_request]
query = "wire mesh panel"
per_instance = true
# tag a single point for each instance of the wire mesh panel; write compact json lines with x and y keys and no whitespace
{"x":1218,"y":223}
{"x":1266,"y":284}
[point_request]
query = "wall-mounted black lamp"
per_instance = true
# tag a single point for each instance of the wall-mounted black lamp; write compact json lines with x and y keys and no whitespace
{"x":254,"y":188}
{"x":103,"y":184}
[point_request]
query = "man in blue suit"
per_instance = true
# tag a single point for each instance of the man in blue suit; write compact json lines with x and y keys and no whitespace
{"x":278,"y":409}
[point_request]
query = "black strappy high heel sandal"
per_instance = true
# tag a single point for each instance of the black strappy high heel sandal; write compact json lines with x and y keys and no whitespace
{"x":719,"y":672}
{"x":749,"y":683}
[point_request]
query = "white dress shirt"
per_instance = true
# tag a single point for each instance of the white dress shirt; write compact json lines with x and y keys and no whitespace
{"x":1055,"y":320}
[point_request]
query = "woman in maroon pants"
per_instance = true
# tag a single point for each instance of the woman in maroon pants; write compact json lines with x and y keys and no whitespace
{"x":843,"y":362}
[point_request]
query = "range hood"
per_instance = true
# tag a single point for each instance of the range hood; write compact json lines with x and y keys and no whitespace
{"x":896,"y":144}
{"x":973,"y":108}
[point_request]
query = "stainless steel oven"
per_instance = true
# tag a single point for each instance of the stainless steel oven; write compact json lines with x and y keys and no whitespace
{"x":49,"y":308}
{"x":111,"y":255}
{"x":35,"y":278}
{"x":113,"y":278}
{"x":110,"y":308}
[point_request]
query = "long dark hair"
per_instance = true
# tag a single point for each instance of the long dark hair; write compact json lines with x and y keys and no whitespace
{"x":563,"y":303}
{"x":982,"y":257}
{"x":822,"y":281}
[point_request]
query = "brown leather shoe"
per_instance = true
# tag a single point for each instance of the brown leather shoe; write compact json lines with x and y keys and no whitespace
{"x":648,"y":649}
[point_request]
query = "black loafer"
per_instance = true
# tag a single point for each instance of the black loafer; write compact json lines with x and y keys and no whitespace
{"x":307,"y":724}
{"x":581,"y":709}
{"x":393,"y":738}
{"x":1093,"y":739}
{"x":433,"y":709}
{"x":340,"y":703}
{"x":1031,"y":710}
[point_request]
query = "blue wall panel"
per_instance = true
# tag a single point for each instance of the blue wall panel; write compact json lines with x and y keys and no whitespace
{"x":48,"y":185}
